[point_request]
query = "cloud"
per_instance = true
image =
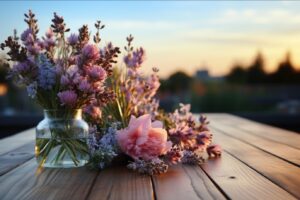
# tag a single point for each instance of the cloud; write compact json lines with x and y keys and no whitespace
{"x":259,"y":16}
{"x":140,"y":24}
{"x":239,"y":37}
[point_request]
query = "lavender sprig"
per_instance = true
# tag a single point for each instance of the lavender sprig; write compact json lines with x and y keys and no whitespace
{"x":151,"y":167}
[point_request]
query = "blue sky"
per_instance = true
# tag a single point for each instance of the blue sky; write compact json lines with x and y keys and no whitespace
{"x":179,"y":35}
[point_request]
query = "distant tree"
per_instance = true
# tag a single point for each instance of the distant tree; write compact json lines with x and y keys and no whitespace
{"x":237,"y":75}
{"x":285,"y":73}
{"x":164,"y":85}
{"x":256,"y":73}
{"x":3,"y":70}
{"x":179,"y":81}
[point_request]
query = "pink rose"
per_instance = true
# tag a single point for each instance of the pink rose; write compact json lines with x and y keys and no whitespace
{"x":143,"y":139}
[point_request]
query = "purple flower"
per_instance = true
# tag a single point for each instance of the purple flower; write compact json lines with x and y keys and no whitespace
{"x":48,"y":43}
{"x":153,"y":84}
{"x":64,"y":80}
{"x":135,"y":59}
{"x":97,"y":73}
{"x":31,"y":89}
{"x":47,"y":74}
{"x":72,"y":39}
{"x":204,"y":139}
{"x":22,"y":67}
{"x":68,"y":98}
{"x":25,"y":34}
{"x":34,"y":49}
{"x":26,"y":68}
{"x":59,"y":69}
{"x":90,"y":52}
{"x":84,"y":86}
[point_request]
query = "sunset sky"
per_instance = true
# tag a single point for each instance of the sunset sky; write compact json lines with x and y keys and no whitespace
{"x":179,"y":35}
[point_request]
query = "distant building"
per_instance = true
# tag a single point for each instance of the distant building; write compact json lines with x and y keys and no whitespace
{"x":203,"y":75}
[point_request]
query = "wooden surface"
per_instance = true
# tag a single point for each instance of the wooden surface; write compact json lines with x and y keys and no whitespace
{"x":258,"y":162}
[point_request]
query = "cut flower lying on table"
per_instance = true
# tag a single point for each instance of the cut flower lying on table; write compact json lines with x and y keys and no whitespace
{"x":143,"y":139}
{"x":132,"y":124}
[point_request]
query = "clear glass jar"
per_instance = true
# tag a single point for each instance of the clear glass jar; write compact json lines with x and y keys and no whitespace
{"x":61,"y":139}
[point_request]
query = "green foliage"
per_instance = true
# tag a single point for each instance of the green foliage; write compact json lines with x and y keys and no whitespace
{"x":118,"y":109}
{"x":177,"y":82}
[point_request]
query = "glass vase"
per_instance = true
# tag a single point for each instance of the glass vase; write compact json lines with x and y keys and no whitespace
{"x":61,"y":139}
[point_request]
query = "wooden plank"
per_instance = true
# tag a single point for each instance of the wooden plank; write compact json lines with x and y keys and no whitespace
{"x":29,"y":182}
{"x":121,"y":183}
{"x":280,"y":172}
{"x":16,"y":157}
{"x":185,"y":182}
{"x":10,"y":143}
{"x":239,"y":181}
{"x":281,"y":150}
{"x":261,"y":130}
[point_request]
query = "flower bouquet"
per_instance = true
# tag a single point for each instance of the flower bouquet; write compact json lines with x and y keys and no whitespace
{"x":67,"y":74}
{"x":133,"y":125}
{"x":63,"y":74}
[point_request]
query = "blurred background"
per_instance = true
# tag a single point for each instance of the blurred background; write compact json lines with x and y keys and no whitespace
{"x":234,"y":57}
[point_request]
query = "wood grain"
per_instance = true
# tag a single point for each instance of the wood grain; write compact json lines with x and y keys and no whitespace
{"x":271,"y":133}
{"x":185,"y":182}
{"x":281,"y":150}
{"x":16,"y":157}
{"x":10,"y":143}
{"x":120,"y":183}
{"x":241,"y":182}
{"x":29,"y":182}
{"x":280,"y":172}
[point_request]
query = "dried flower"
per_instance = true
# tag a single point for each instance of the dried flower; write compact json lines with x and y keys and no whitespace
{"x":214,"y":150}
{"x":84,"y":36}
{"x":151,"y":167}
{"x":192,"y":158}
{"x":58,"y":25}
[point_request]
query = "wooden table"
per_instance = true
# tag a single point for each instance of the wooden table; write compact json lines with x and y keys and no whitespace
{"x":258,"y":162}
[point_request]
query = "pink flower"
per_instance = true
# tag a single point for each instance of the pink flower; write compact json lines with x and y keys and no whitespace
{"x":68,"y":98}
{"x":64,"y":80}
{"x":94,"y":111}
{"x":143,"y":139}
{"x":49,"y":33}
{"x":214,"y":150}
{"x":97,"y":73}
{"x":90,"y":52}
